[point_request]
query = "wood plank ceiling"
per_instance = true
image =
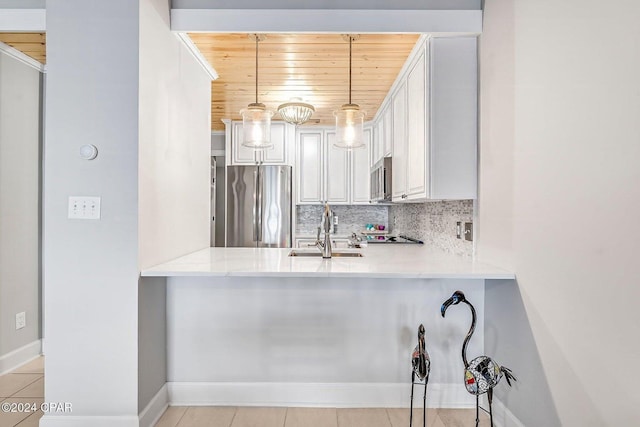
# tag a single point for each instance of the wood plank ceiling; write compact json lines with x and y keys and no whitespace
{"x":31,"y":44}
{"x":314,"y":67}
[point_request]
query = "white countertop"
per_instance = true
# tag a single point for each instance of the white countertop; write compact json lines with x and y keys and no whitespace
{"x":391,"y":261}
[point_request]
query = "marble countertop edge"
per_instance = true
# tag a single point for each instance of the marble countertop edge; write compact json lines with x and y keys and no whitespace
{"x":408,"y":262}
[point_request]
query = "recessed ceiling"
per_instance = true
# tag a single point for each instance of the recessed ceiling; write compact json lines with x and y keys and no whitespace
{"x":314,"y":67}
{"x":31,"y":44}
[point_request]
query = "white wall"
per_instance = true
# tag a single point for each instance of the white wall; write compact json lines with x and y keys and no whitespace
{"x":558,"y":194}
{"x":174,"y":175}
{"x":139,"y":96}
{"x":91,"y":267}
{"x":19,"y":203}
{"x":175,"y":135}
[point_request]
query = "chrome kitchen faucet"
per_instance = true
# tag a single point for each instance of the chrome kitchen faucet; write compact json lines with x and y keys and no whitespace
{"x":326,"y":225}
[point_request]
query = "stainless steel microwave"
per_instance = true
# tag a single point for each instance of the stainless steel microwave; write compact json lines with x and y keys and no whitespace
{"x":381,"y":181}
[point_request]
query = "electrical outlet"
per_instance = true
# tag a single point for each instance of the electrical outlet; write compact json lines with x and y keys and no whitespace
{"x":468,"y":231}
{"x":21,"y":320}
{"x":84,"y":207}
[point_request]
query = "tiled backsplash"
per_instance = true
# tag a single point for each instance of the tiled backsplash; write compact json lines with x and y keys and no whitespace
{"x":434,"y":223}
{"x":350,"y":218}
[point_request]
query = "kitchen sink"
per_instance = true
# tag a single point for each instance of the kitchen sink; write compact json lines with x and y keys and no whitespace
{"x":337,"y":254}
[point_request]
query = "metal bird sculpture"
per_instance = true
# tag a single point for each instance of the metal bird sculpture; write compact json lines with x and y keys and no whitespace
{"x":421,"y":368}
{"x":482,"y":374}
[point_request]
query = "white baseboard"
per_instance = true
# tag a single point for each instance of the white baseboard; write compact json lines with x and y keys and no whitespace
{"x":503,"y":417}
{"x":346,"y":395}
{"x":88,"y":421}
{"x":154,"y":410}
{"x":20,"y":356}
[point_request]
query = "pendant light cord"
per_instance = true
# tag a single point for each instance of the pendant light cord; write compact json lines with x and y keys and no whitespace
{"x":257,"y":68}
{"x":350,"y":41}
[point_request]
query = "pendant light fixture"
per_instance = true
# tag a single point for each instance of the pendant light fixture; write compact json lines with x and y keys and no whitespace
{"x":295,"y":111}
{"x":349,"y":118}
{"x":256,"y":118}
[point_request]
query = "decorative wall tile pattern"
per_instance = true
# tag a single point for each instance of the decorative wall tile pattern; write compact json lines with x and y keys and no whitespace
{"x":434,"y":223}
{"x":350,"y":218}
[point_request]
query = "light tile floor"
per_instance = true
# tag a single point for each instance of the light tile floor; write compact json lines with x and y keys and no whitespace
{"x":24,"y":385}
{"x":208,"y":416}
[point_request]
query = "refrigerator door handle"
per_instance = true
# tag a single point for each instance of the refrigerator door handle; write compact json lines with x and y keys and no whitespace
{"x":255,"y":205}
{"x":259,"y":191}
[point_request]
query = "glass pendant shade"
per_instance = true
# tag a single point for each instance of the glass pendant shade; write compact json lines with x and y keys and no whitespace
{"x":349,"y":127}
{"x":256,"y":118}
{"x":296,"y":112}
{"x":349,"y":118}
{"x":256,"y":126}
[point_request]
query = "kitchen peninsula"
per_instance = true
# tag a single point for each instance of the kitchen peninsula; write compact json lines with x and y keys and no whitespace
{"x":255,"y":326}
{"x":403,"y":261}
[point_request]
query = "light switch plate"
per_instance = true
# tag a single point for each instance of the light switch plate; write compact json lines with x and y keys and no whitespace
{"x":84,"y":207}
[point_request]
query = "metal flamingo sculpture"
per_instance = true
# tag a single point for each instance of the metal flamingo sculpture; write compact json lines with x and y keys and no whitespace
{"x":421,"y":368}
{"x":482,"y":374}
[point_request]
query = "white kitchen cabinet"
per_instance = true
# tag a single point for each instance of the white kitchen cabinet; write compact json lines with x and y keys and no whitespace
{"x":383,"y":136}
{"x":387,"y":135}
{"x":399,"y":160}
{"x":310,"y":166}
{"x":337,"y":171}
{"x":453,"y":129}
{"x":417,"y":117}
{"x":325,"y":173}
{"x":435,"y":123}
{"x":377,"y":142}
{"x":361,"y":171}
{"x":276,"y":155}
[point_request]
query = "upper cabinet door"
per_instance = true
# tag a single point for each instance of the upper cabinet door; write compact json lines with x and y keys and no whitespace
{"x":240,"y":155}
{"x":387,"y":137}
{"x":417,"y":153}
{"x":276,"y":155}
{"x":309,"y":170}
{"x":361,"y":172}
{"x":378,"y":142}
{"x":337,"y":171}
{"x":399,"y":171}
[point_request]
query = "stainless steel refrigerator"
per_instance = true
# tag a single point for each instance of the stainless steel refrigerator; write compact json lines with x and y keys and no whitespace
{"x":258,"y":206}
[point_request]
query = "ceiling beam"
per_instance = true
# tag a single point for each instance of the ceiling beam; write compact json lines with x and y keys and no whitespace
{"x":327,"y":4}
{"x":31,"y":20}
{"x":326,"y":20}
